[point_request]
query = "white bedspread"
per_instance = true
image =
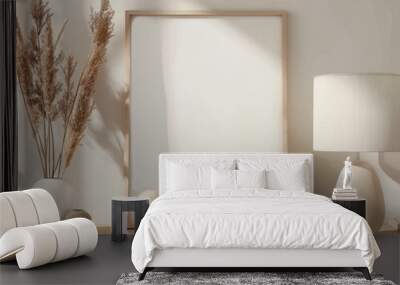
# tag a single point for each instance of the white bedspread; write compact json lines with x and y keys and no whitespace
{"x":251,"y":218}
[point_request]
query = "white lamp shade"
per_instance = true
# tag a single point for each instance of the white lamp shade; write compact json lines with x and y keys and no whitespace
{"x":357,"y":112}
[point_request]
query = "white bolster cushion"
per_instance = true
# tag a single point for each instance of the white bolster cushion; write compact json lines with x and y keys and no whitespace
{"x":26,"y":208}
{"x":7,"y":218}
{"x":23,"y":208}
{"x":34,"y":245}
{"x":46,"y":207}
{"x":41,"y":244}
{"x":87,"y":235}
{"x":67,"y":240}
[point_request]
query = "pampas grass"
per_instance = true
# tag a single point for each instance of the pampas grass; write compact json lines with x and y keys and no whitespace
{"x":47,"y":79}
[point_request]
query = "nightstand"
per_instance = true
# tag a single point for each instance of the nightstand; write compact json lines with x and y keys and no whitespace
{"x":358,"y":206}
{"x":126,"y":204}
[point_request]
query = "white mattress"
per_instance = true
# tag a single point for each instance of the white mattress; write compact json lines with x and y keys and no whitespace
{"x":250,"y":219}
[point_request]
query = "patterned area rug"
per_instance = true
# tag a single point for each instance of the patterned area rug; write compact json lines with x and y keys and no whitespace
{"x":269,"y":278}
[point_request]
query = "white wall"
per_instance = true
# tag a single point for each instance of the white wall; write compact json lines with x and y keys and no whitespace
{"x":324,"y":36}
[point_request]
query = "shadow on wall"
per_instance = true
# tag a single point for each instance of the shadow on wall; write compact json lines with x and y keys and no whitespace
{"x":327,"y":166}
{"x":390,"y":164}
{"x":110,"y":134}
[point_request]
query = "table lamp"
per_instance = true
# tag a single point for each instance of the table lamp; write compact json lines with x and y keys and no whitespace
{"x":358,"y":113}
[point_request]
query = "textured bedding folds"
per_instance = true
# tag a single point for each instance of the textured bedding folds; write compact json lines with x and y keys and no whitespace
{"x":250,"y":218}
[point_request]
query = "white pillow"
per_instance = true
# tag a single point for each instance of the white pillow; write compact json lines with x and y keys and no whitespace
{"x":251,"y":178}
{"x":293,"y":179}
{"x":282,"y":174}
{"x":182,"y":177}
{"x":223,"y":179}
{"x":187,"y":174}
{"x":236,"y":179}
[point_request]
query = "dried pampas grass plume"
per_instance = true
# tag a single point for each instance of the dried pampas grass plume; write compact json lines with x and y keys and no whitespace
{"x":102,"y":28}
{"x":47,"y":82}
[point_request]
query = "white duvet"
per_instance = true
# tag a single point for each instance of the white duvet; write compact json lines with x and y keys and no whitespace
{"x":251,"y":218}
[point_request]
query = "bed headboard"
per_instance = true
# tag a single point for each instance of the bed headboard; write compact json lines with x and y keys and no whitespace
{"x":167,"y":157}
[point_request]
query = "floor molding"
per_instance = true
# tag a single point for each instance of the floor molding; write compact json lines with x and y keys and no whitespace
{"x":104,"y":229}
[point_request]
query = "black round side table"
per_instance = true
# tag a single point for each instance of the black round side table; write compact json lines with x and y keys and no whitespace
{"x":120,"y":205}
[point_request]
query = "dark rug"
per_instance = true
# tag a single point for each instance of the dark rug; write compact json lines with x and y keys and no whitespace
{"x":269,"y":278}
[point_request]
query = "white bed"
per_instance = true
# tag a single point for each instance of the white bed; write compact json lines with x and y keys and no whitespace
{"x":193,"y":226}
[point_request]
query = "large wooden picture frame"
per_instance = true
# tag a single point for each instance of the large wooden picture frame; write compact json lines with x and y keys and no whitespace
{"x":131,"y":15}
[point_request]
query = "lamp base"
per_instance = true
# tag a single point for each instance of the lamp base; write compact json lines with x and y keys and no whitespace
{"x":367,"y":184}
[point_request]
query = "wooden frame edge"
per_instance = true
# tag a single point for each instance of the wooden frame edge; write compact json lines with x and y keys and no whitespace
{"x":204,"y":13}
{"x":285,"y":77}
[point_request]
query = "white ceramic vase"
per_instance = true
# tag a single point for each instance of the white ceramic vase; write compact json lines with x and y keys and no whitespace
{"x":60,"y":190}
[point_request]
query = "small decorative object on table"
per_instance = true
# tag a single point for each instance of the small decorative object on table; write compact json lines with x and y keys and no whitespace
{"x":120,"y":207}
{"x":357,"y":205}
{"x":346,"y":192}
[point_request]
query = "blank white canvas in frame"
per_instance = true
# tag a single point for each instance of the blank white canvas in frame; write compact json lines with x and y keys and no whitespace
{"x":204,"y":84}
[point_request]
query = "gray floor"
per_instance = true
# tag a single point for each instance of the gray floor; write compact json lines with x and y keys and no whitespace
{"x":389,"y":262}
{"x":103,"y":266}
{"x":110,"y":260}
